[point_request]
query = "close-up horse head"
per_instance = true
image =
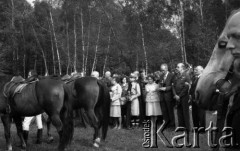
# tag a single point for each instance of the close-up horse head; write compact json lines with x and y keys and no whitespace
{"x":222,"y":72}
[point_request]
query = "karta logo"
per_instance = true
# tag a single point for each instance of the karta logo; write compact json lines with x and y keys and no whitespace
{"x":152,"y":134}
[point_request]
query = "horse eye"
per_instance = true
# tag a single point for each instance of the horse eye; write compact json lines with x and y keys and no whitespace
{"x":222,"y":44}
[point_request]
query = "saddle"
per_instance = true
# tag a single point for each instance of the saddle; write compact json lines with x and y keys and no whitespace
{"x":67,"y":78}
{"x":16,"y":85}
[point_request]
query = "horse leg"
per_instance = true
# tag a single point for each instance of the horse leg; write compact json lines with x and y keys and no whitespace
{"x":50,"y":137}
{"x":18,"y":122}
{"x":6,"y":120}
{"x":95,"y":124}
{"x":56,"y":121}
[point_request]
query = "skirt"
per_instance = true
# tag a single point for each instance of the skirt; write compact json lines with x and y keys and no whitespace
{"x":115,"y":111}
{"x":153,"y":109}
{"x":135,"y":107}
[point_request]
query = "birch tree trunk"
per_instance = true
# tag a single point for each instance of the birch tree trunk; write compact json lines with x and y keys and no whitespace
{"x":144,"y":47}
{"x":43,"y":54}
{"x":87,"y":50}
{"x":89,"y":29}
{"x":83,"y":47}
{"x":68,"y":53}
{"x":183,"y":34}
{"x":52,"y":49}
{"x":108,"y":49}
{"x":96,"y":49}
{"x":75,"y":43}
{"x":24,"y":51}
{"x":201,"y":10}
{"x":137,"y":60}
{"x":55,"y":39}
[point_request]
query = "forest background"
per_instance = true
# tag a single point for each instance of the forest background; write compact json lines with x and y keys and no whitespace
{"x":62,"y":36}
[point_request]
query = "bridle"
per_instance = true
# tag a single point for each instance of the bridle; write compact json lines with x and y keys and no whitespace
{"x":225,"y":81}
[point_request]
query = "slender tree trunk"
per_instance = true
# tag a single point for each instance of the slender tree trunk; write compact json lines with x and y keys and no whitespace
{"x":13,"y":19}
{"x":144,"y":47}
{"x":68,"y":53}
{"x":52,"y":49}
{"x":83,"y":44}
{"x":137,"y":60}
{"x":107,"y":53}
{"x":75,"y":43}
{"x":35,"y":61}
{"x":24,"y":51}
{"x":56,"y":44}
{"x":96,"y":49}
{"x":201,"y":10}
{"x":43,"y":54}
{"x":89,"y":29}
{"x":183,"y":34}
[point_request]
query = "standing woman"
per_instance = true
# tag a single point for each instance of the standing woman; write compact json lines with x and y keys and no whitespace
{"x":135,"y":92}
{"x":115,"y":109}
{"x":153,"y":108}
{"x":124,"y":102}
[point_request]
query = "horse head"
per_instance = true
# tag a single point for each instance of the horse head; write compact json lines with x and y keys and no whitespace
{"x":222,"y":72}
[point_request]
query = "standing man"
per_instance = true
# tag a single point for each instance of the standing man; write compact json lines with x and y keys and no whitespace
{"x":107,"y":79}
{"x":198,"y":114}
{"x":166,"y":95}
{"x":95,"y":74}
{"x":32,"y":76}
{"x":180,"y":91}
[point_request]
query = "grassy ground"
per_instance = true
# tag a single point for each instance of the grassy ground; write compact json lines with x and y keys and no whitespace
{"x":117,"y":140}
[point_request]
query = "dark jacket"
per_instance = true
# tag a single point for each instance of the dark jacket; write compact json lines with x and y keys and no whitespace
{"x":168,"y":84}
{"x":181,"y":85}
{"x":193,"y":87}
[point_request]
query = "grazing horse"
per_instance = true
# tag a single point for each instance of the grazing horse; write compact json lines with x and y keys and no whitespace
{"x":93,"y":96}
{"x":47,"y":95}
{"x":223,"y":73}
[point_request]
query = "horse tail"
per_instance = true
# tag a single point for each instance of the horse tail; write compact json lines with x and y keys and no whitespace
{"x":66,"y":116}
{"x":104,"y":99}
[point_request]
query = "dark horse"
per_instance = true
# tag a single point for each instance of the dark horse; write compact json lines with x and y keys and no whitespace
{"x":223,"y":73}
{"x":93,"y":96}
{"x":46,"y":95}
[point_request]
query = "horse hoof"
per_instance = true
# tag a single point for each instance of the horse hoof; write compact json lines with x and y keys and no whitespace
{"x":96,"y":145}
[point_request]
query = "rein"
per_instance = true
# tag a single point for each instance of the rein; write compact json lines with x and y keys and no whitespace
{"x":225,"y":81}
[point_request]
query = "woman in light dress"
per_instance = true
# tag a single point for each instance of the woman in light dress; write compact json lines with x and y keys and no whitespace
{"x":153,"y":108}
{"x":115,"y":109}
{"x":135,"y":92}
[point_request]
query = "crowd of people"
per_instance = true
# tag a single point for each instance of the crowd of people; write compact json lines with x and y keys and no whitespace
{"x":139,"y":97}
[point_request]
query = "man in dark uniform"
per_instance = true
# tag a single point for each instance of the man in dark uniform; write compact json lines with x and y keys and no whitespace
{"x":180,"y":91}
{"x":107,"y":79}
{"x":198,"y":114}
{"x":166,"y":96}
